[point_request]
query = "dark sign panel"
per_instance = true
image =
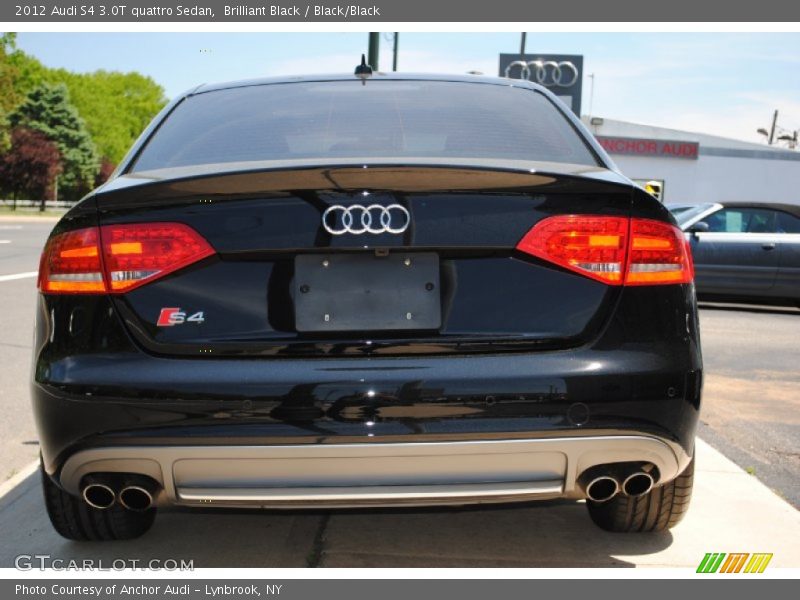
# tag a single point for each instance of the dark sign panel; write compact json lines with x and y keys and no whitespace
{"x":648,"y":147}
{"x":562,"y":74}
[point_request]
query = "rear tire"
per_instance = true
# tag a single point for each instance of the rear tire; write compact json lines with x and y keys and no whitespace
{"x":660,"y":509}
{"x":73,"y":519}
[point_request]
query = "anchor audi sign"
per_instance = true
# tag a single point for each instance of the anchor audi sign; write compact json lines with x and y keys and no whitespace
{"x":649,"y":147}
{"x":562,"y":74}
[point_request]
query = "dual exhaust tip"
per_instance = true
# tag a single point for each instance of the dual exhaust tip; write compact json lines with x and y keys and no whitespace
{"x":136,"y":495}
{"x":601,"y":488}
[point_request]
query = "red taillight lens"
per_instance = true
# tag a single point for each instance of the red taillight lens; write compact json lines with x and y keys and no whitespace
{"x":658,"y":254}
{"x":71,"y":264}
{"x":591,"y":245}
{"x":117,"y":258}
{"x":137,"y":253}
{"x":614,"y":250}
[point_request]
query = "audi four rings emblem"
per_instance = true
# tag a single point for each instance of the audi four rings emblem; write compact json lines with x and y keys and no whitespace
{"x":548,"y":73}
{"x":358,"y":219}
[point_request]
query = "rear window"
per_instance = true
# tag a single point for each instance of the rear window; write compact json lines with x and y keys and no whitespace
{"x":381,"y":119}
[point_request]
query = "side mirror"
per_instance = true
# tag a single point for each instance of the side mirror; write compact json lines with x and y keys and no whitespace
{"x":699,"y":227}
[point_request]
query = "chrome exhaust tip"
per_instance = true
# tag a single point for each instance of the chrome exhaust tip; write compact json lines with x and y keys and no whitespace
{"x":98,"y":495}
{"x":603,"y":488}
{"x":136,"y":498}
{"x":637,"y":484}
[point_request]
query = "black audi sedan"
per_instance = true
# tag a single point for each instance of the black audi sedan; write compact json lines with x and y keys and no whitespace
{"x":372,"y":290}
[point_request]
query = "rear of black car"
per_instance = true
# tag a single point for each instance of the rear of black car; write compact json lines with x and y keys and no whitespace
{"x":335,"y":293}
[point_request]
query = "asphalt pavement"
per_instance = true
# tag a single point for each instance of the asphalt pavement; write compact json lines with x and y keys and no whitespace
{"x":750,"y":414}
{"x":21,"y":243}
{"x":751,"y":393}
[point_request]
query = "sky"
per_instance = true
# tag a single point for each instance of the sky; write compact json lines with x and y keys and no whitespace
{"x":724,"y":84}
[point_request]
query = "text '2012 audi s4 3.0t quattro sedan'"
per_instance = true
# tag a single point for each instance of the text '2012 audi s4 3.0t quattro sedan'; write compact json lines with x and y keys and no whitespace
{"x":348,"y":291}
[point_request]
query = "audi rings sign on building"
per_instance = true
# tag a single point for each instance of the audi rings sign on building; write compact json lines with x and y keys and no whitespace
{"x":562,"y":74}
{"x":358,"y":219}
{"x":548,"y":73}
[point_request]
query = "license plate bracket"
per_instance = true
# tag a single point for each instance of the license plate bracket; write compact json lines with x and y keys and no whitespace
{"x":367,"y":292}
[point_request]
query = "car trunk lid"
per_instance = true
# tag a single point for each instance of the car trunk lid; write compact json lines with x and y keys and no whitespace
{"x":445,"y":278}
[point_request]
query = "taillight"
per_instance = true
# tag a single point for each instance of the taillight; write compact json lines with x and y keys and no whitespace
{"x":592,"y":246}
{"x":71,"y":264}
{"x":137,"y":253}
{"x":658,"y":254}
{"x":614,"y":250}
{"x":117,"y":258}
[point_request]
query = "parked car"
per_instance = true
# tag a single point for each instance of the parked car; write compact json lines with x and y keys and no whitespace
{"x":745,"y":251}
{"x":386,"y":290}
{"x":678,"y":209}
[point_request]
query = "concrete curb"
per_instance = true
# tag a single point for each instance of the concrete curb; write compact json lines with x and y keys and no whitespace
{"x":8,"y":486}
{"x":28,"y":219}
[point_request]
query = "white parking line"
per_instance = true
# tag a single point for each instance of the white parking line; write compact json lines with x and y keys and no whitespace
{"x":5,"y":241}
{"x":10,"y":227}
{"x":18,"y":276}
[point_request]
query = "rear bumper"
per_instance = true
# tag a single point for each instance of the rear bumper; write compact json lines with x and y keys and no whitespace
{"x":526,"y":419}
{"x":348,"y":475}
{"x":137,"y":400}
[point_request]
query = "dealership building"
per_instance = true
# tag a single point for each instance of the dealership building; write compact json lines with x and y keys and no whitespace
{"x":694,"y":167}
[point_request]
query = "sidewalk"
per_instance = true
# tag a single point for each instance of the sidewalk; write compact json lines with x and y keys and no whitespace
{"x":731,"y":512}
{"x":23,"y":218}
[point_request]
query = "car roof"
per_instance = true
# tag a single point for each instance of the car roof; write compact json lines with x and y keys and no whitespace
{"x":792,"y":209}
{"x":376,"y":76}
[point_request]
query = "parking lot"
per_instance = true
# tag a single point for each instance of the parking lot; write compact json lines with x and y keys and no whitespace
{"x":750,"y":427}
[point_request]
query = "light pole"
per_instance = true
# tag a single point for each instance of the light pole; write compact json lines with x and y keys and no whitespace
{"x":772,"y":129}
{"x":374,"y":49}
{"x":790,"y":137}
{"x":770,"y":135}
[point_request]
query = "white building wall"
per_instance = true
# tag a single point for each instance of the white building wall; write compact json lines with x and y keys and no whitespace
{"x":718,"y":178}
{"x":726,"y":169}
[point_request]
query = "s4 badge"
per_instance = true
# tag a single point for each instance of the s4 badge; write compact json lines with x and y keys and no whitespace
{"x":175,"y":316}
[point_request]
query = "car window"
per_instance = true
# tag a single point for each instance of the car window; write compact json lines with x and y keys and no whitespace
{"x":689,"y":216}
{"x":345,"y":119}
{"x":742,"y":220}
{"x":788,"y":223}
{"x":677,"y":210}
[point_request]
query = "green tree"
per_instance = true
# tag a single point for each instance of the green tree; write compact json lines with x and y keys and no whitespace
{"x":8,"y":39}
{"x":9,"y":97}
{"x":29,"y":73}
{"x":115,"y":106}
{"x":47,"y":109}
